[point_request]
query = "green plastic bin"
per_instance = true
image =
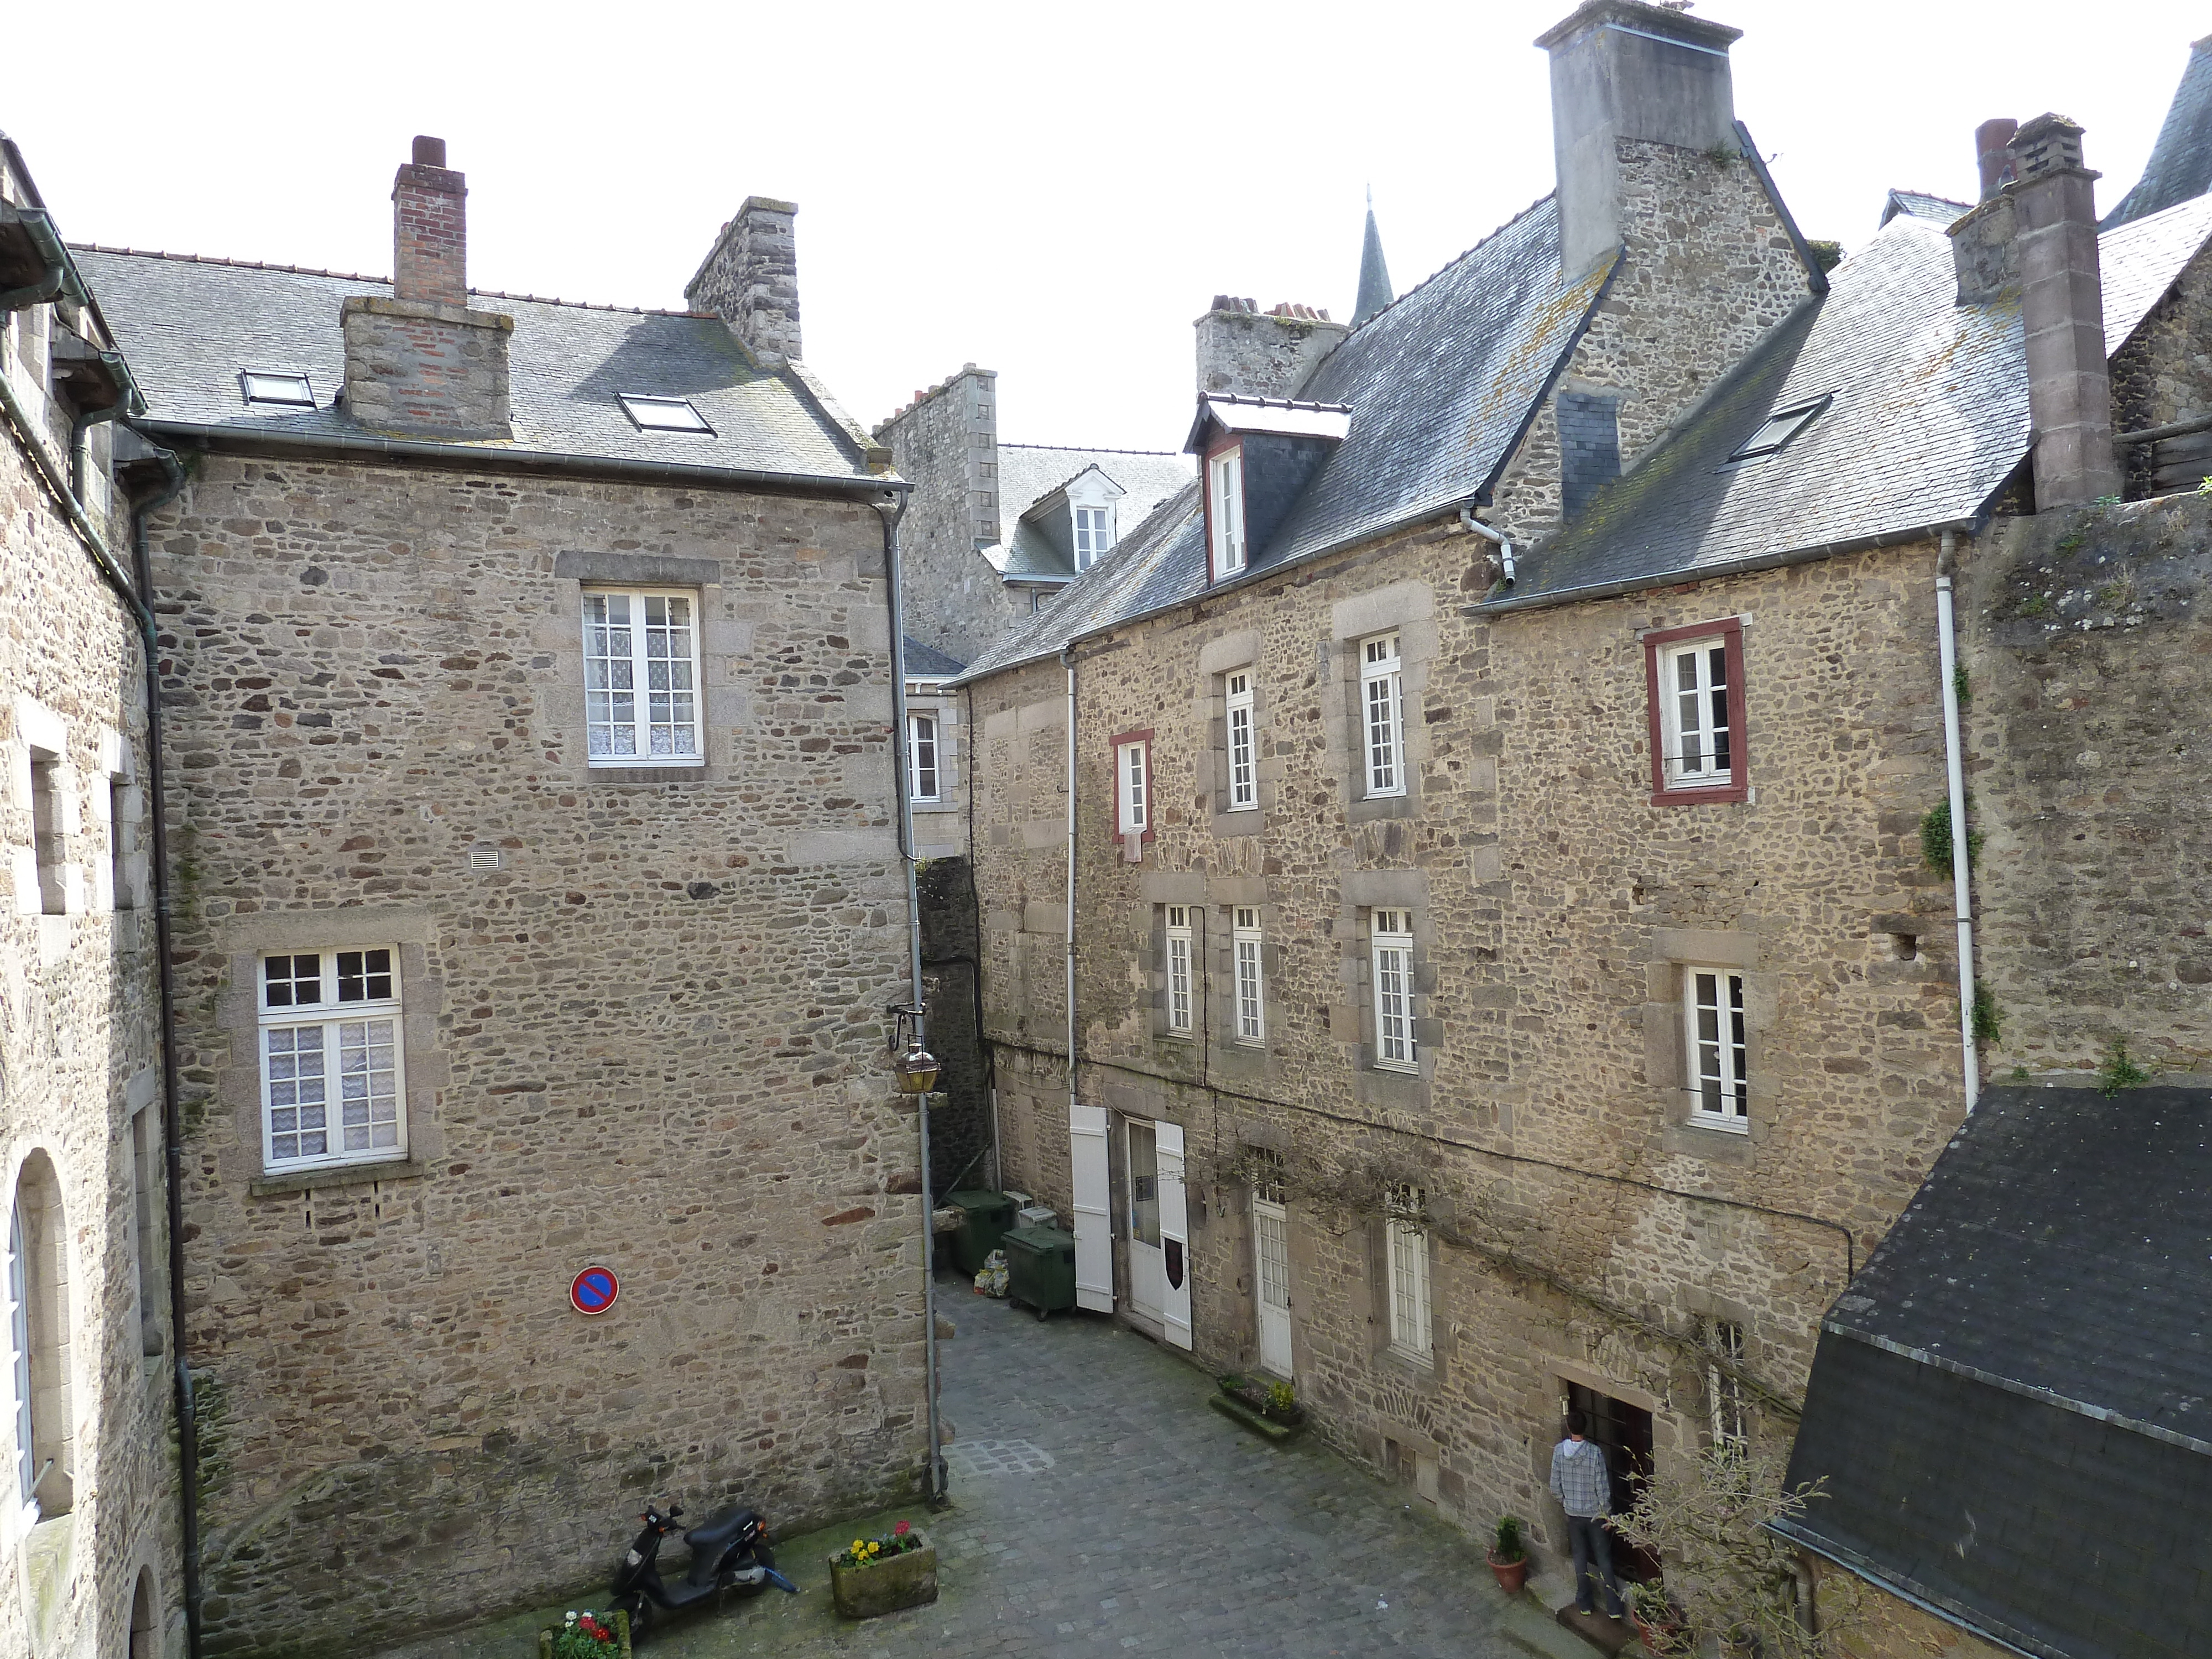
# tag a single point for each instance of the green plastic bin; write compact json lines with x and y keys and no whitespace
{"x":1040,"y":1268}
{"x":985,"y":1216}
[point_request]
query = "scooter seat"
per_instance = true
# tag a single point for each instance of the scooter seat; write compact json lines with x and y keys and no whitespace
{"x":711,"y":1537}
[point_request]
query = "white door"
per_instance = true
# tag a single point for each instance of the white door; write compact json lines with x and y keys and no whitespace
{"x":1147,"y":1261}
{"x":1272,"y":1256}
{"x":1093,"y":1199}
{"x":1174,"y":1238}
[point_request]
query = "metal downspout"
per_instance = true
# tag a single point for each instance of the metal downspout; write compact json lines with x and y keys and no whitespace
{"x":1961,"y":895}
{"x":1068,"y":660}
{"x":892,"y":510}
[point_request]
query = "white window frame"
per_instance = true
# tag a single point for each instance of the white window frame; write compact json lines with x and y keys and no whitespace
{"x":1405,"y":1261}
{"x":682,"y":726}
{"x":1717,"y":1066}
{"x":1724,"y":1397}
{"x":1383,"y":715}
{"x":1247,"y":946}
{"x":1695,"y":718}
{"x":17,"y":1289}
{"x":1182,"y":1010}
{"x":1390,"y":962}
{"x":1094,"y":535}
{"x":923,"y":778}
{"x":1224,"y":489}
{"x":1132,"y":785}
{"x":376,"y":1024}
{"x":1243,"y":744}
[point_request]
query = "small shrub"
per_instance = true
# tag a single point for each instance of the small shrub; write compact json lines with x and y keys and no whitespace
{"x":1509,"y":1547}
{"x":1960,"y":686}
{"x":2118,"y":1071}
{"x":2020,"y":1074}
{"x":2035,"y":605}
{"x":1282,"y":1400}
{"x":1935,"y":839}
{"x":1989,"y":1018}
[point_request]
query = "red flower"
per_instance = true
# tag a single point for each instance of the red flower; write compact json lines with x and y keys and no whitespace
{"x":901,"y":1530}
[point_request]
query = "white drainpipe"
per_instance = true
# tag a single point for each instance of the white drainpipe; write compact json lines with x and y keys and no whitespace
{"x":1068,"y":659}
{"x":1961,"y":896}
{"x":1468,"y":521}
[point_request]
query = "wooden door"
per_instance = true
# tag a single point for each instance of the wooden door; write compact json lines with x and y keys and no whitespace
{"x":1175,"y":1236}
{"x":1625,"y":1431}
{"x":1271,"y":1261}
{"x":1147,"y":1260}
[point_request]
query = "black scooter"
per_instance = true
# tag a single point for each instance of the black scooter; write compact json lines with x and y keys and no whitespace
{"x":729,"y":1551}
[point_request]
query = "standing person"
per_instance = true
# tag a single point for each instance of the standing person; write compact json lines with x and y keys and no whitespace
{"x":1584,"y":1490}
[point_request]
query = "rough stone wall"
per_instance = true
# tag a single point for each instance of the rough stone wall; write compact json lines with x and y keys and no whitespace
{"x":945,"y":442}
{"x":2086,"y":647}
{"x":415,"y":367}
{"x":960,"y":1115}
{"x":1241,"y":351}
{"x":750,"y":279}
{"x":643,"y":1018}
{"x":79,"y":1061}
{"x":2162,"y":375}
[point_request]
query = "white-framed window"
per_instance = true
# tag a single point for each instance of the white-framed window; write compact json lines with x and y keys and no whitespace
{"x":1133,"y":787}
{"x":1224,"y":506}
{"x":1180,"y":1012}
{"x":1724,"y":1341}
{"x":19,"y":1350}
{"x":1245,"y":940}
{"x":332,"y":1085}
{"x":1694,"y":712}
{"x":921,"y":757}
{"x":641,"y":677}
{"x":1405,"y":1249}
{"x":1381,"y":701}
{"x":1719,"y":1055}
{"x":1391,"y":939}
{"x":1094,"y":535}
{"x":1243,"y":771}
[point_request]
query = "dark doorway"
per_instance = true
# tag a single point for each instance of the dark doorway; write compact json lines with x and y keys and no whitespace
{"x":1625,"y":1431}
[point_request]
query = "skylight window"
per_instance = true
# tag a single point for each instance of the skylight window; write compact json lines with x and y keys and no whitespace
{"x":283,"y":390}
{"x":1782,"y":427}
{"x":664,"y":414}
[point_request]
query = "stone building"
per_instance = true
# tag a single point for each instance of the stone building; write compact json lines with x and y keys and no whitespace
{"x":1512,"y":966}
{"x":90,"y":1529}
{"x":526,"y":671}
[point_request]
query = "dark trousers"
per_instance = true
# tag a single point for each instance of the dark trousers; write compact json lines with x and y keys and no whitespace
{"x":1592,"y":1546}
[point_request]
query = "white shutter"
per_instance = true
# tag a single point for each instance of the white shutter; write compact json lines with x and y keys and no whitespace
{"x":1094,"y":1229}
{"x":1175,"y":1236}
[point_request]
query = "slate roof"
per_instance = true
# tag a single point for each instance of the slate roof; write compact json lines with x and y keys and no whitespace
{"x":2022,"y":1376}
{"x":190,"y":326}
{"x":1030,"y":472}
{"x":1921,"y":205}
{"x":926,"y":662}
{"x":1928,"y":422}
{"x":2180,"y":164}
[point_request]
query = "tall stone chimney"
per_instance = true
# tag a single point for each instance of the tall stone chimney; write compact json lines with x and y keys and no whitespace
{"x":750,"y":279}
{"x":1252,"y":354}
{"x":421,"y":363}
{"x":2062,"y":305}
{"x":1621,"y":69}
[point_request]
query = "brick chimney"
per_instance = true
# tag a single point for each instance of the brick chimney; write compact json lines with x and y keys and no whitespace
{"x":1624,"y":70}
{"x":2062,"y":305}
{"x":421,"y":363}
{"x":1993,"y":157}
{"x":750,"y":279}
{"x":1256,"y":355}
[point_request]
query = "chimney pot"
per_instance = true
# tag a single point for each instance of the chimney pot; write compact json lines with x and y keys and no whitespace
{"x":429,"y":152}
{"x":1991,"y":157}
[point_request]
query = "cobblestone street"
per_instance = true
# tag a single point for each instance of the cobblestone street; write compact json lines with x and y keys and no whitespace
{"x":1101,"y":1509}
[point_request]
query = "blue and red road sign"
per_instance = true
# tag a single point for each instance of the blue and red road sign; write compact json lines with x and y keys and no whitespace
{"x":594,"y":1290}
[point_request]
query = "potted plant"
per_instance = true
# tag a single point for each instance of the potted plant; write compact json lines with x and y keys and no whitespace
{"x":587,"y":1634}
{"x":1661,"y":1624}
{"x":1509,"y":1556}
{"x":874,"y":1575}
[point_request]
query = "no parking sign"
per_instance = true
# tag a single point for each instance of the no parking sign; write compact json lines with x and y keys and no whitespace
{"x":594,"y":1290}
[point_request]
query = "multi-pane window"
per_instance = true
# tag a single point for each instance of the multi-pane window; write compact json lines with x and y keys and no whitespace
{"x":1391,"y":946}
{"x":1724,"y":1341}
{"x":331,"y":1086}
{"x":19,"y":1350}
{"x":1243,"y":784}
{"x":1712,"y":1008}
{"x":1225,"y":488}
{"x":1245,"y":940}
{"x":1132,"y":788}
{"x":1407,"y":1249}
{"x":642,"y":678}
{"x":1694,"y":679}
{"x":921,"y":757}
{"x":1381,"y":699}
{"x":1179,"y":959}
{"x":1094,"y":535}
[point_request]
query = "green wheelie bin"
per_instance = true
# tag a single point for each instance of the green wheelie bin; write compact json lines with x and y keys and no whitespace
{"x":985,"y":1216}
{"x":1040,"y":1268}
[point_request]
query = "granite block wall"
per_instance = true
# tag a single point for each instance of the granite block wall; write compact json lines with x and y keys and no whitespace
{"x":946,"y":443}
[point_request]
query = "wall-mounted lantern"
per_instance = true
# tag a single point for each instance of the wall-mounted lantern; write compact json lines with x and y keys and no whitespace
{"x":914,"y":1066}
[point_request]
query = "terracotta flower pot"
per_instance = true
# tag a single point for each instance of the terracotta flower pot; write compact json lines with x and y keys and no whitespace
{"x":1512,"y":1575}
{"x":1659,"y":1639}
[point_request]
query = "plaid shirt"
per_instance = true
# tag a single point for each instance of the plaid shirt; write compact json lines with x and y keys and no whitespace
{"x":1578,"y":1478}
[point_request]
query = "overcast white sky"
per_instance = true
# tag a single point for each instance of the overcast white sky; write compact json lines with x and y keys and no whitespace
{"x":1052,"y":192}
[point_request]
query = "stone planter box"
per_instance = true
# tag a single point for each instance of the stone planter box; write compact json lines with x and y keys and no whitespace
{"x":906,"y":1580}
{"x":1243,"y":1413}
{"x":622,"y":1636}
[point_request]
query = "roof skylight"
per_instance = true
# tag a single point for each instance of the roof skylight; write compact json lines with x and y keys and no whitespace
{"x":284,"y":391}
{"x":1780,"y":428}
{"x":664,"y":414}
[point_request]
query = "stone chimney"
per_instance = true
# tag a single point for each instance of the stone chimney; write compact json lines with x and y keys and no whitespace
{"x":1253,"y":355}
{"x":2062,"y":306}
{"x":422,"y":364}
{"x":946,"y":442}
{"x":750,"y":279}
{"x":1993,"y":155}
{"x":1624,"y":70}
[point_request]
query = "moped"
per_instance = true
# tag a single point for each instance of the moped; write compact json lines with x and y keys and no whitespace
{"x":729,"y":1552}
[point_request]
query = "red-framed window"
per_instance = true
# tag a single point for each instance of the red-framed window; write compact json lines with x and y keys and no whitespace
{"x":1700,"y":741}
{"x":1134,"y":810}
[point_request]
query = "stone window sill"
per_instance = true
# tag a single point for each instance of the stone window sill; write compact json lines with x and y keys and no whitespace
{"x":1244,"y":821}
{"x":1423,"y":1374}
{"x":1377,"y":807}
{"x":645,"y":774}
{"x":338,"y":1175}
{"x":1713,"y":1145}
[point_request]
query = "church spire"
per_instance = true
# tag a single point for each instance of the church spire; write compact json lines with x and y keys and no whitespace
{"x":1374,"y":275}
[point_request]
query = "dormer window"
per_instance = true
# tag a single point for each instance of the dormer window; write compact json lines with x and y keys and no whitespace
{"x":1094,"y":535}
{"x":278,"y":390}
{"x":664,"y":414}
{"x":1225,"y":510}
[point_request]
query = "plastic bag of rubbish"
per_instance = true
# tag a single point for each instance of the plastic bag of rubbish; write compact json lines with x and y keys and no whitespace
{"x":991,"y":1281}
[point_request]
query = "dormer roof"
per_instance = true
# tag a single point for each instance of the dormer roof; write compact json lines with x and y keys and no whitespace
{"x":1278,"y":417}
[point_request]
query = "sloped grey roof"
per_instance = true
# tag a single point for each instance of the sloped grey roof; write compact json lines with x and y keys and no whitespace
{"x":189,"y":327}
{"x":1930,"y":418}
{"x":2180,"y":164}
{"x":926,"y":662}
{"x":1921,"y":205}
{"x":1030,"y":472}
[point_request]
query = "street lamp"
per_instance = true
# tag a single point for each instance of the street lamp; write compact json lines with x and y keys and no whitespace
{"x":915,"y":1068}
